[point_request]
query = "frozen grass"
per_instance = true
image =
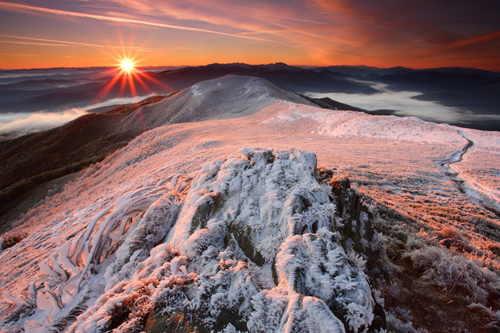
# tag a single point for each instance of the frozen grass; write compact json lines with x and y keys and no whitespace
{"x":253,"y":238}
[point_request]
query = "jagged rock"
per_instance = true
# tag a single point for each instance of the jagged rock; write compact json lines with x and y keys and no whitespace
{"x":268,"y":215}
{"x":255,"y":247}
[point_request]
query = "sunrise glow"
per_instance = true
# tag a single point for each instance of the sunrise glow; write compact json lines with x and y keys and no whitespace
{"x":127,"y":65}
{"x":249,"y":166}
{"x":317,"y":33}
{"x":127,"y":79}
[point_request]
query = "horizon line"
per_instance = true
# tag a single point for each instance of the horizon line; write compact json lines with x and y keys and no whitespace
{"x":261,"y":64}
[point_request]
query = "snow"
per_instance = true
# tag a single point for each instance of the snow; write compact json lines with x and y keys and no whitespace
{"x":357,"y":124}
{"x":480,"y":167}
{"x":186,"y":217}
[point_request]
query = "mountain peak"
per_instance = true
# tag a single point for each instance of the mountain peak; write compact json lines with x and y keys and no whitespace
{"x":225,"y":97}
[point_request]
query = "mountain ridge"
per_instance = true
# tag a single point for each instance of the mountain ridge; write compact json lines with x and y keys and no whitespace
{"x":183,"y":227}
{"x":31,"y":160}
{"x":477,"y":90}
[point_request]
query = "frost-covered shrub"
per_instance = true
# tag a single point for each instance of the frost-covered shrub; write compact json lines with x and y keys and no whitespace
{"x":313,"y":265}
{"x":268,"y":307}
{"x":452,"y":238}
{"x":454,"y":273}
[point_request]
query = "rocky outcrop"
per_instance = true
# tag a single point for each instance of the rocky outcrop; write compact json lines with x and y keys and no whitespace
{"x":274,"y":243}
{"x":259,"y":242}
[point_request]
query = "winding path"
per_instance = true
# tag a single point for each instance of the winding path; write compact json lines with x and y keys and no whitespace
{"x":462,"y":184}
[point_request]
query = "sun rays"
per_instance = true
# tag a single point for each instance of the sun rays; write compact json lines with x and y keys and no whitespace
{"x":128,"y":78}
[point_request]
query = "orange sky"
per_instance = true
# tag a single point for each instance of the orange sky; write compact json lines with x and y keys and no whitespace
{"x":383,"y":33}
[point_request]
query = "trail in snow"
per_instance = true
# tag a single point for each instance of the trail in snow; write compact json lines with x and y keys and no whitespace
{"x":457,"y":158}
{"x":455,"y":175}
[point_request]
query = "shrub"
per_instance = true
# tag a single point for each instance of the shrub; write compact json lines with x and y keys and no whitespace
{"x":454,"y":273}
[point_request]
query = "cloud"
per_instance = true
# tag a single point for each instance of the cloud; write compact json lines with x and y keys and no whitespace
{"x":64,"y":43}
{"x":416,"y":32}
{"x":475,"y":40}
{"x":390,"y":32}
{"x":21,"y":123}
{"x":266,"y":18}
{"x":384,"y":33}
{"x":18,"y":54}
{"x":20,"y":7}
{"x":30,"y":43}
{"x":404,"y":105}
{"x":117,"y":101}
{"x":17,"y":124}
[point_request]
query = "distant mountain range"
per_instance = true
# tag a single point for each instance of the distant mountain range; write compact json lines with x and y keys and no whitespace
{"x":363,"y":72}
{"x":472,"y":90}
{"x":56,"y":94}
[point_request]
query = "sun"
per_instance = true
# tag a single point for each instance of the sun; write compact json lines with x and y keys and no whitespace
{"x":127,"y":65}
{"x":125,"y":75}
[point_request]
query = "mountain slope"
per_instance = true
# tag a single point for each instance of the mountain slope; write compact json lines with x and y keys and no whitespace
{"x":36,"y":158}
{"x":182,"y":229}
{"x":227,"y":97}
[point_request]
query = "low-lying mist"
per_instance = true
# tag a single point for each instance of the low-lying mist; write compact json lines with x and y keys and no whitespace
{"x":17,"y":124}
{"x":117,"y":101}
{"x":402,"y":103}
{"x":20,"y":123}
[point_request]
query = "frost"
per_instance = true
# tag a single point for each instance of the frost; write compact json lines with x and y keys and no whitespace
{"x":454,"y":273}
{"x":107,"y":249}
{"x":219,"y":255}
{"x":178,"y":229}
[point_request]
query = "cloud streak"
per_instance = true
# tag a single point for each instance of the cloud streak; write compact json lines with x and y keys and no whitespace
{"x":30,"y":43}
{"x":18,"y":54}
{"x":20,"y":7}
{"x":68,"y":43}
{"x":475,"y":40}
{"x":257,"y":17}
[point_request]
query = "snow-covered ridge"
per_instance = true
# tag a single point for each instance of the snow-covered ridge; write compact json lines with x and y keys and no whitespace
{"x":255,"y":245}
{"x":228,"y":97}
{"x":358,"y":124}
{"x":181,"y":214}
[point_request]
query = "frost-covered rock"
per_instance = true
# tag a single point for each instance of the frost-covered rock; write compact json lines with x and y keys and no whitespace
{"x":264,"y":225}
{"x":251,"y":245}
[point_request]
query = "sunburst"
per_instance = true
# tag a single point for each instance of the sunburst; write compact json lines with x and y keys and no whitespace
{"x":128,"y":75}
{"x":127,"y":65}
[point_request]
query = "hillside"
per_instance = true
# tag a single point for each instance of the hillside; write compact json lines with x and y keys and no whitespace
{"x":289,"y":218}
{"x":34,"y":159}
